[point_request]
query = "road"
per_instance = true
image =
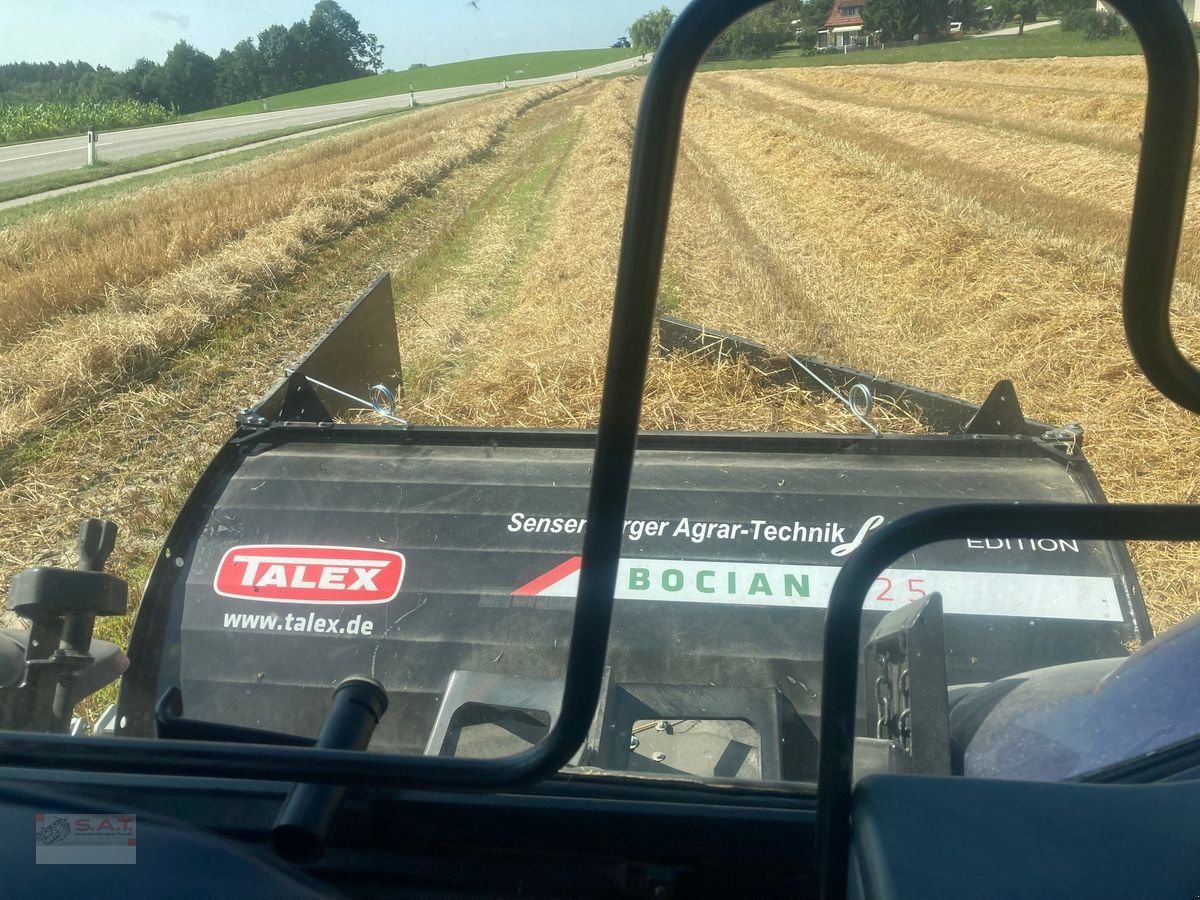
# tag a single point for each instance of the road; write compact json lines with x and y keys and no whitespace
{"x":1009,"y":32}
{"x":43,"y":157}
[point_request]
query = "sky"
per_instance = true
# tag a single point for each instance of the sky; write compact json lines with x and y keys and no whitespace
{"x":436,"y":31}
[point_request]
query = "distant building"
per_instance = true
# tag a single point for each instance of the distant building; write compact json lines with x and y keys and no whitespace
{"x":1189,"y":7}
{"x":844,"y":27}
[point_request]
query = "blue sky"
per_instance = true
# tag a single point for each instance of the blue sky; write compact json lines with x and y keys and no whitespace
{"x":115,"y":34}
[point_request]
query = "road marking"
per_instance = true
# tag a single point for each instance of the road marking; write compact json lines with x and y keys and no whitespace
{"x":47,"y":153}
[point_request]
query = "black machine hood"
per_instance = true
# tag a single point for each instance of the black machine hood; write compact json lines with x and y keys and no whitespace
{"x":413,"y":555}
{"x":444,"y":562}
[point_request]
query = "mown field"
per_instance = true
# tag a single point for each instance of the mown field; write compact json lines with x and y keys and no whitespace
{"x":947,"y":224}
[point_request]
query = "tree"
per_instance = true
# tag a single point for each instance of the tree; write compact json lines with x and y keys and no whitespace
{"x":1023,"y":10}
{"x":966,"y":11}
{"x":144,"y":81}
{"x":648,"y":31}
{"x":329,"y":46}
{"x":302,"y":72}
{"x":374,"y":53}
{"x":899,"y":20}
{"x":238,"y":76}
{"x":337,"y":48}
{"x":894,"y":19}
{"x":280,"y":59}
{"x":1059,"y":8}
{"x":755,"y":35}
{"x":189,"y":78}
{"x":103,"y":84}
{"x":813,"y":14}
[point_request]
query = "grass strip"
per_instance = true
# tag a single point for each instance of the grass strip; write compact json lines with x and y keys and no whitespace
{"x":1044,"y":42}
{"x":38,"y":184}
{"x":428,"y":78}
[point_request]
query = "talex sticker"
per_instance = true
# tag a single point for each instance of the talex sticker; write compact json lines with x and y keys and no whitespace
{"x":288,"y":573}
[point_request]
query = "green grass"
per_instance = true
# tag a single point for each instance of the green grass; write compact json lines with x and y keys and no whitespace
{"x":1044,"y":42}
{"x":473,"y":71}
{"x":100,"y":191}
{"x":24,"y":187}
{"x":520,"y":195}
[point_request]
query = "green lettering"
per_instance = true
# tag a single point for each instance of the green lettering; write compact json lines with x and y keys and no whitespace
{"x":700,"y":579}
{"x":672,"y":580}
{"x":639,"y":579}
{"x":760,"y":585}
{"x":793,"y":585}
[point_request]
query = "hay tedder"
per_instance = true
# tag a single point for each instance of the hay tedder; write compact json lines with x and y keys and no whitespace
{"x":376,"y":658}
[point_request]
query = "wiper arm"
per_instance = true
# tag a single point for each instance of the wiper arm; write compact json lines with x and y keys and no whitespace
{"x":170,"y":724}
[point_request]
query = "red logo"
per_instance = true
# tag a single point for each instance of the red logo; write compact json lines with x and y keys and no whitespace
{"x":284,"y":573}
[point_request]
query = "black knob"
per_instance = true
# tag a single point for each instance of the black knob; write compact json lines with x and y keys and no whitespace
{"x":97,"y":537}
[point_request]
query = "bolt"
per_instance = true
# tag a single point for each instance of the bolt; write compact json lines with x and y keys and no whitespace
{"x":659,"y":756}
{"x":633,"y":743}
{"x":661,"y":726}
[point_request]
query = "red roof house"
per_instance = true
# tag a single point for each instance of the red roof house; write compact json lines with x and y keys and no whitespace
{"x":844,"y":27}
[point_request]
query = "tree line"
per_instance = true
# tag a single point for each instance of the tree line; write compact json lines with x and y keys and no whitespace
{"x":769,"y":28}
{"x":757,"y":34}
{"x":328,"y":47}
{"x":899,"y":20}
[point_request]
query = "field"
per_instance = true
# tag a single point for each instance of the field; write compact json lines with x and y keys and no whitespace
{"x":1046,"y":41}
{"x":428,"y":78}
{"x":39,"y":120}
{"x":947,"y":224}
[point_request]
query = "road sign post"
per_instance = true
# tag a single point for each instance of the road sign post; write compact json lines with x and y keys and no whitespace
{"x":92,"y":138}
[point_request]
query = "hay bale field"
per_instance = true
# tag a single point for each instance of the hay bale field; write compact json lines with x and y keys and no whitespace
{"x":946,"y":224}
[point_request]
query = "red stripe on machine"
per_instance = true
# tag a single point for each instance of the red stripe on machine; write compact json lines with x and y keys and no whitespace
{"x":555,"y":575}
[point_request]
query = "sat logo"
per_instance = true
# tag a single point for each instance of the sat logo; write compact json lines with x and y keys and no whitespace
{"x":288,"y":573}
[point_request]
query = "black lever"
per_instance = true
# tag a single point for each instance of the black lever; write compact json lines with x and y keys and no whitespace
{"x":62,"y":606}
{"x":97,"y":537}
{"x":302,"y":827}
{"x":171,"y":725}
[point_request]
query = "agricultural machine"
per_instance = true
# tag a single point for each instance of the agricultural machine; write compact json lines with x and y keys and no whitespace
{"x":378,"y":658}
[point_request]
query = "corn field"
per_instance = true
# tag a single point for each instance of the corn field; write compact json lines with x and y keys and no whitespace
{"x":29,"y":121}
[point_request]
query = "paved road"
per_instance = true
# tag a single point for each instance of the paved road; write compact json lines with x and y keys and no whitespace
{"x":1009,"y":32}
{"x":41,"y":157}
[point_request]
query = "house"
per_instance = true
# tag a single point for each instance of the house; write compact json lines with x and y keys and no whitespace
{"x":844,"y":27}
{"x":1189,"y":7}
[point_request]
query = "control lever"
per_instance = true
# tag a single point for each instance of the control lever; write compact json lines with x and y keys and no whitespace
{"x":302,"y":827}
{"x":97,"y":538}
{"x":62,"y":606}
